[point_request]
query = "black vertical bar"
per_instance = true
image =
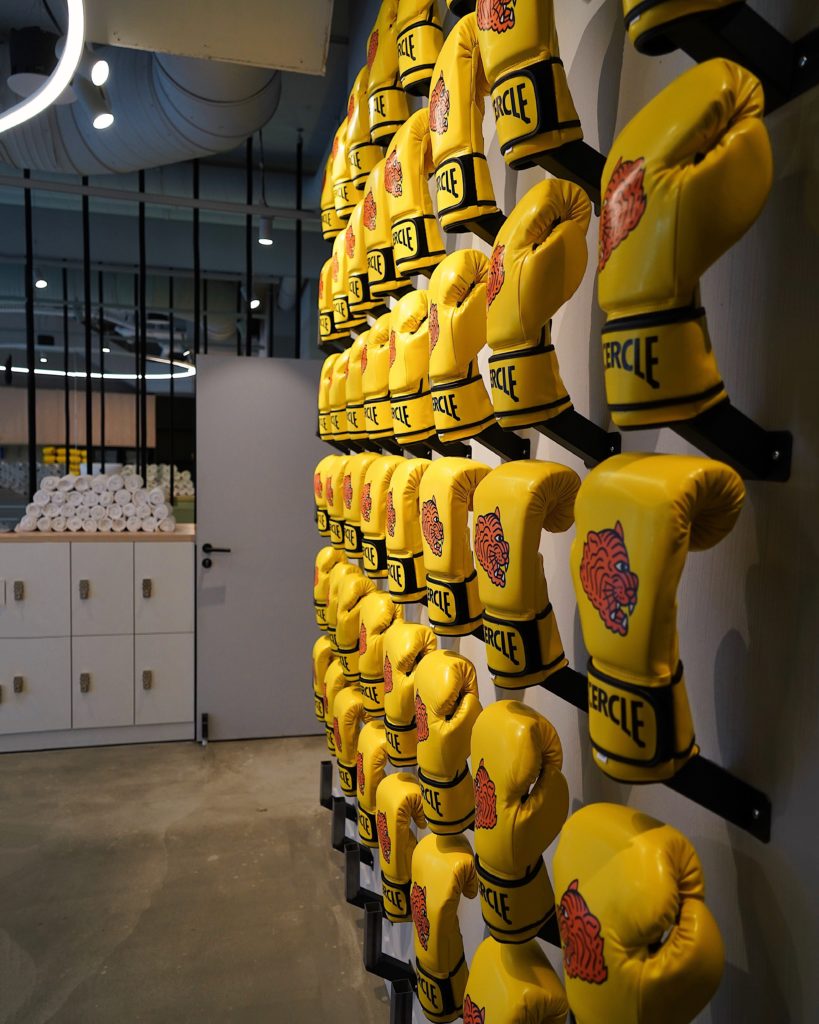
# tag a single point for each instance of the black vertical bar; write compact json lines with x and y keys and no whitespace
{"x":101,"y":332}
{"x":143,"y":336}
{"x":197,"y":265}
{"x":249,"y":247}
{"x":137,"y":330}
{"x":270,"y":319}
{"x":205,"y":316}
{"x":299,"y":176}
{"x":31,"y":385}
{"x":171,"y":424}
{"x":239,"y":289}
{"x":67,"y":393}
{"x":86,"y":275}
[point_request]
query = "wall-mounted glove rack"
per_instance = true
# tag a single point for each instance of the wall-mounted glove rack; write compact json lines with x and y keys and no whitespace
{"x":506,"y":445}
{"x":342,"y":812}
{"x":583,"y":438}
{"x":550,"y":932}
{"x":423,"y":449}
{"x":326,"y":784}
{"x":376,"y":961}
{"x":577,"y":162}
{"x":486,"y":227}
{"x":335,"y":346}
{"x":354,"y":893}
{"x":700,"y":780}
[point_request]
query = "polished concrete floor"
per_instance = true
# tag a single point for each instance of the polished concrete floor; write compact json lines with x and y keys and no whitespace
{"x":170,"y":883}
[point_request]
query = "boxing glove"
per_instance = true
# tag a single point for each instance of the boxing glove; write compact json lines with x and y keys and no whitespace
{"x":319,"y":476}
{"x":533,"y":108}
{"x":344,"y":319}
{"x":410,"y":399}
{"x":537,"y":264}
{"x":639,"y":944}
{"x":398,"y":803}
{"x":457,"y":332}
{"x":371,"y":763}
{"x":521,"y":801}
{"x":374,"y":515}
{"x":362,"y":153}
{"x":664,"y":220}
{"x":334,"y":682}
{"x":337,"y":395}
{"x":351,"y":590}
{"x":406,"y":644}
{"x":334,"y":495}
{"x":348,"y":717}
{"x":456,"y":105}
{"x":445,"y":496}
{"x":344,"y":195}
{"x":442,"y":869}
{"x":419,"y":36}
{"x":637,"y":516}
{"x":325,"y":425}
{"x":337,"y":573}
{"x":375,"y":377}
{"x":446,"y":706}
{"x":378,"y":613}
{"x":323,"y":655}
{"x":381,"y":273}
{"x":512,"y":506}
{"x":405,"y":556}
{"x":327,"y":322}
{"x":417,"y":244}
{"x":648,"y":24}
{"x":330,"y":222}
{"x":359,"y":299}
{"x":352,"y":487}
{"x":354,"y":389}
{"x":325,"y":560}
{"x":386,"y":99}
{"x":514,"y":985}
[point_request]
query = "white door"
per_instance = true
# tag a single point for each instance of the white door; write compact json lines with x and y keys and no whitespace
{"x":256,"y":451}
{"x":102,"y":588}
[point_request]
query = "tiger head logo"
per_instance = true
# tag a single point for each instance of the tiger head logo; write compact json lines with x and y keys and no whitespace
{"x":486,"y":810}
{"x":418,"y":907}
{"x":433,"y":326}
{"x":369,"y":211}
{"x":347,"y":491}
{"x":362,"y":639}
{"x":607,"y":579}
{"x":328,"y":490}
{"x":337,"y":735}
{"x":421,"y":723}
{"x":624,"y":204}
{"x":431,"y":526}
{"x":349,"y":241}
{"x":359,"y":772}
{"x":384,"y":841}
{"x":392,"y":347}
{"x":321,"y":288}
{"x":387,"y":674}
{"x":335,"y":147}
{"x":350,"y":107}
{"x":317,"y":488}
{"x":390,"y":515}
{"x":366,"y":502}
{"x":439,"y":107}
{"x":335,"y":267}
{"x":473,"y":1014}
{"x":372,"y":49}
{"x":495,"y":15}
{"x":364,"y":359}
{"x":580,"y":938}
{"x":491,"y":547}
{"x":393,"y":175}
{"x":496,"y":274}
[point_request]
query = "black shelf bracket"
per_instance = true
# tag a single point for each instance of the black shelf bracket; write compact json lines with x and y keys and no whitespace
{"x":504,"y":443}
{"x":326,"y":784}
{"x":342,"y":812}
{"x":581,"y":437}
{"x":353,"y":892}
{"x":340,"y":446}
{"x":402,"y":998}
{"x":485,"y":227}
{"x":423,"y":449}
{"x":550,"y":932}
{"x":723,"y":432}
{"x":388,"y":446}
{"x":375,"y":960}
{"x":335,"y":345}
{"x":577,"y":162}
{"x":700,"y":780}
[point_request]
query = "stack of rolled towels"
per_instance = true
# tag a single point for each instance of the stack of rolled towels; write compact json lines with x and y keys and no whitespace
{"x":105,"y":503}
{"x":158,"y":474}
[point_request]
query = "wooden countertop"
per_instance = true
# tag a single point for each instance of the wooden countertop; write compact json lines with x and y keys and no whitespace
{"x":183,"y":532}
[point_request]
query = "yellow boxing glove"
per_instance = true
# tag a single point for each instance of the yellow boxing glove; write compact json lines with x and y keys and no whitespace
{"x":398,"y":803}
{"x":354,"y":389}
{"x":326,"y":559}
{"x":330,"y":221}
{"x":362,"y":153}
{"x":371,"y":763}
{"x":419,"y":35}
{"x":406,"y":644}
{"x":386,"y":99}
{"x":383,"y":277}
{"x":513,"y":985}
{"x":378,"y":613}
{"x":344,"y":195}
{"x":325,"y":425}
{"x":353,"y":486}
{"x":410,"y":396}
{"x":648,"y":21}
{"x":375,"y":370}
{"x":359,"y":299}
{"x":339,"y":429}
{"x":344,"y":319}
{"x":323,"y":655}
{"x":374,"y":515}
{"x":405,"y":557}
{"x":327,"y":321}
{"x":319,"y":473}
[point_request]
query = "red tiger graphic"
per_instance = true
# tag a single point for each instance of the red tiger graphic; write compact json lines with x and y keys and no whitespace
{"x":350,"y":107}
{"x":364,"y":359}
{"x":337,"y":736}
{"x":384,"y":840}
{"x":362,"y":639}
{"x":335,"y":147}
{"x":607,"y":579}
{"x":473,"y":1014}
{"x":486,"y":810}
{"x":495,"y":15}
{"x":433,"y":326}
{"x":321,"y":288}
{"x":421,"y":723}
{"x":387,"y":674}
{"x":372,"y":49}
{"x":581,"y":939}
{"x":390,"y":515}
{"x":369,"y":211}
{"x":359,"y":772}
{"x":347,"y":491}
{"x":366,"y":501}
{"x":418,"y":908}
{"x":349,"y":241}
{"x":328,"y":490}
{"x":439,"y":107}
{"x":393,"y":175}
{"x":392,"y":347}
{"x":431,"y":526}
{"x":491,"y":547}
{"x":496,"y":274}
{"x":335,"y":267}
{"x":624,"y":204}
{"x":317,"y":488}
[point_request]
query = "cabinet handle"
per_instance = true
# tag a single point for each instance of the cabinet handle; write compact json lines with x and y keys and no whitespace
{"x":147,"y":679}
{"x":85,"y":682}
{"x":19,"y":590}
{"x":85,"y":589}
{"x":18,"y":684}
{"x":147,"y":587}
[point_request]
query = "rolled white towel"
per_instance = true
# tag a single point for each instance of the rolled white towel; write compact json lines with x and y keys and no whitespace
{"x":67,"y":482}
{"x":50,"y":511}
{"x":97,"y":513}
{"x":82,"y":483}
{"x":143,"y":511}
{"x":40,"y":498}
{"x":140,"y":496}
{"x":122,"y":497}
{"x":167,"y":525}
{"x":106,"y":498}
{"x":115,"y":482}
{"x":161,"y":512}
{"x":74,"y":524}
{"x":115,"y":512}
{"x":44,"y":524}
{"x":132,"y":524}
{"x":133,"y":482}
{"x":34,"y":510}
{"x":28,"y":524}
{"x":156,"y":496}
{"x":50,"y":483}
{"x":99,"y":483}
{"x":118,"y":525}
{"x":58,"y":524}
{"x":73,"y":500}
{"x":129,"y":510}
{"x":105,"y":524}
{"x":89,"y":525}
{"x":58,"y":499}
{"x":90,"y":499}
{"x":149,"y":525}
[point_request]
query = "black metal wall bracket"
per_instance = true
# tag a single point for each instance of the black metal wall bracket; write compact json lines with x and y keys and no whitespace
{"x":401,"y":1002}
{"x":423,"y":449}
{"x":388,"y":446}
{"x":354,"y":894}
{"x":335,"y":345}
{"x":578,"y":162}
{"x":723,"y":432}
{"x":581,"y":437}
{"x":486,"y":227}
{"x":700,"y":780}
{"x":326,"y":784}
{"x":375,"y":960}
{"x":504,"y":443}
{"x":342,"y":812}
{"x":340,"y":446}
{"x":550,"y":932}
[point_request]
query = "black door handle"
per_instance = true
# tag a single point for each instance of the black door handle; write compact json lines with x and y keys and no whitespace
{"x":209,"y":549}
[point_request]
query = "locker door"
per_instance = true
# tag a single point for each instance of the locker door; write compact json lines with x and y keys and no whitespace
{"x":102,"y":687}
{"x":163,"y":587}
{"x":41,"y":699}
{"x":102,"y":588}
{"x":163,"y":678}
{"x":34,"y":589}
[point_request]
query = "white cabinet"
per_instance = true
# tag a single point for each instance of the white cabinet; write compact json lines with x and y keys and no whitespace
{"x":35,"y":684}
{"x":163,"y":587}
{"x":102,"y":692}
{"x":34,"y":590}
{"x":163,"y":678}
{"x":102,"y":596}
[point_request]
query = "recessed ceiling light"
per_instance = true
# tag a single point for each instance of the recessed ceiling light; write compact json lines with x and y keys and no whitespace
{"x":41,"y":283}
{"x":43,"y":359}
{"x":100,"y":71}
{"x":265,"y":230}
{"x":106,"y":350}
{"x":255,"y":303}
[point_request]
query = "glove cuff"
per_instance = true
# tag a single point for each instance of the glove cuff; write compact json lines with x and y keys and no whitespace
{"x":331,"y":223}
{"x":337,"y":533}
{"x":406,"y":574}
{"x":534,"y":112}
{"x":660,"y":368}
{"x":515,"y":909}
{"x":374,"y":552}
{"x":353,"y":539}
{"x":396,"y":899}
{"x":449,"y":804}
{"x":318,"y":706}
{"x":355,"y":421}
{"x":359,"y":299}
{"x":461,"y":408}
{"x":346,"y":777}
{"x":464,"y":191}
{"x":523,"y":652}
{"x":412,"y":416}
{"x":639,"y":733}
{"x":372,"y":690}
{"x":363,"y":158}
{"x":454,"y":606}
{"x":328,"y":735}
{"x":323,"y":522}
{"x":381,"y":272}
{"x":338,"y":424}
{"x":402,"y":743}
{"x":348,"y":657}
{"x":343,"y":317}
{"x":526,"y":385}
{"x":441,"y":995}
{"x":418,"y":47}
{"x":417,"y":244}
{"x":378,"y":417}
{"x":327,"y":326}
{"x":366,"y":827}
{"x":388,"y":111}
